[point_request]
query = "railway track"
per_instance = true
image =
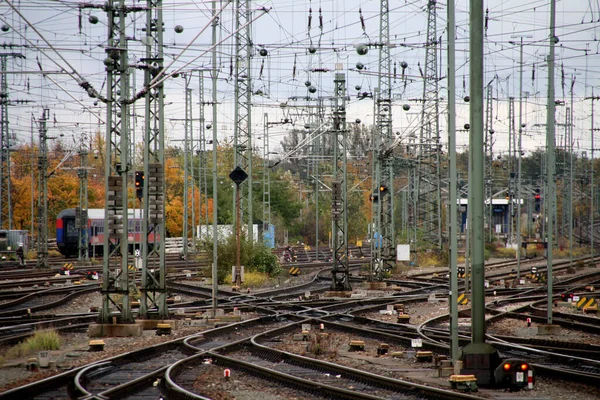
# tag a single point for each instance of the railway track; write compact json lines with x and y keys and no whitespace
{"x":155,"y":370}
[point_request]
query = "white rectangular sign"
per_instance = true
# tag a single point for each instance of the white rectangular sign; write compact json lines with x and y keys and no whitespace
{"x":403,"y":252}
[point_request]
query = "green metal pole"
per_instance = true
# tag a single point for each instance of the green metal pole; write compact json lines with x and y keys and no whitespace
{"x":519,"y":149}
{"x":550,"y":156}
{"x":215,"y":285}
{"x":592,"y":179}
{"x":476,"y":191}
{"x":453,"y":228}
{"x":479,"y":358}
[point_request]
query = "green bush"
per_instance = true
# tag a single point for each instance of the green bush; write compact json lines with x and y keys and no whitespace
{"x":255,"y":257}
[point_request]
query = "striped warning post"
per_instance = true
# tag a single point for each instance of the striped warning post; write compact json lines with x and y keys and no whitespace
{"x":586,"y":302}
{"x":294,"y":271}
{"x":131,"y":268}
{"x":462,"y":299}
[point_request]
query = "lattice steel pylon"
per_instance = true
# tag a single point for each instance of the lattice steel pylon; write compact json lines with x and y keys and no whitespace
{"x":242,"y":134}
{"x":340,"y":274}
{"x":115,"y":284}
{"x":428,"y":170}
{"x":489,"y":154}
{"x":42,"y":206}
{"x":154,"y":284}
{"x":188,"y":176}
{"x":383,"y":188}
{"x":81,"y":218}
{"x":202,"y":161}
{"x":5,"y":145}
{"x":266,"y":219}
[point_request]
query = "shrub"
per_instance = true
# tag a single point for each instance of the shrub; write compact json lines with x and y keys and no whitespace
{"x":41,"y":340}
{"x":432,"y":258}
{"x":255,"y":257}
{"x":323,"y":344}
{"x":505,"y":252}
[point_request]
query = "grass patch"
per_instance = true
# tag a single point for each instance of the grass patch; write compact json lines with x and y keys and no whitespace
{"x":252,"y":279}
{"x":41,"y":340}
{"x":505,"y":252}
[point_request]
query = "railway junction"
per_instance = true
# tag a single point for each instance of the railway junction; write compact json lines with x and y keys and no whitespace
{"x":131,"y":320}
{"x":298,"y":339}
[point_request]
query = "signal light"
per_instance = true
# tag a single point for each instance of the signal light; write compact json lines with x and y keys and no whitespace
{"x":537,"y":197}
{"x":383,"y":189}
{"x":139,"y":184}
{"x":506,"y":366}
{"x":139,"y":179}
{"x":524,"y":367}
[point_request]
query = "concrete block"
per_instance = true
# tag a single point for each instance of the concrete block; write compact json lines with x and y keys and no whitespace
{"x":445,"y":372}
{"x":546,"y":329}
{"x":115,"y":330}
{"x":152,"y":324}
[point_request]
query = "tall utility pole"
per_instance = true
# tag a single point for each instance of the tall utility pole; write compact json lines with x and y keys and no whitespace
{"x":202,"y":160}
{"x":592,"y":204}
{"x":384,"y":175}
{"x":479,"y":358}
{"x":188,"y":175}
{"x":428,"y":179}
{"x":5,"y":145}
{"x":340,"y":273}
{"x":592,"y":176}
{"x":550,"y":173}
{"x":266,"y":179}
{"x":520,"y":155}
{"x":242,"y":134}
{"x":81,"y":219}
{"x":489,"y":153}
{"x":215,"y":180}
{"x":42,"y":209}
{"x":116,"y":225}
{"x":511,"y":172}
{"x":453,"y":230}
{"x":154,"y":285}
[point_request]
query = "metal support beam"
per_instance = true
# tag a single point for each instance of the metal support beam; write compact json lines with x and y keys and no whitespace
{"x":154,"y":285}
{"x":340,"y":274}
{"x":42,"y":206}
{"x":386,"y":252}
{"x":428,"y":178}
{"x":6,"y":218}
{"x":479,"y":358}
{"x":115,"y":285}
{"x":81,"y":219}
{"x":453,"y":230}
{"x":550,"y":173}
{"x":242,"y":135}
{"x":189,"y":244}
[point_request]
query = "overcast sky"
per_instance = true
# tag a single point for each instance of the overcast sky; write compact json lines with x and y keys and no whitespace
{"x":63,"y":34}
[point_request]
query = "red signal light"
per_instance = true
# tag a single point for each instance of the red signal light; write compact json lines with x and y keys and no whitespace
{"x":538,"y":197}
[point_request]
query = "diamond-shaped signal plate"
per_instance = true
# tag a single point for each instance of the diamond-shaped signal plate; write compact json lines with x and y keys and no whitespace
{"x":238,"y":175}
